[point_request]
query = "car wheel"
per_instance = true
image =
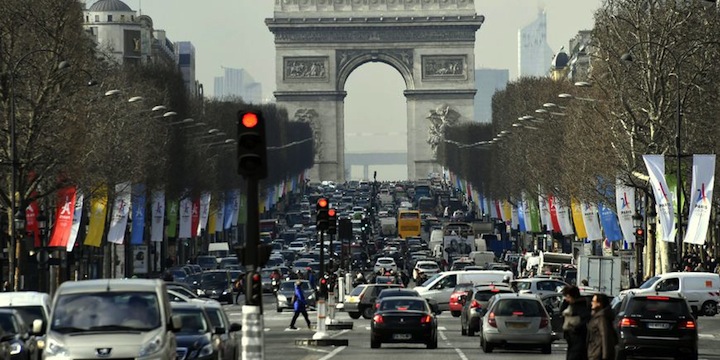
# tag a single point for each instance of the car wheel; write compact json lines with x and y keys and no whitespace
{"x":455,"y":313}
{"x":354,"y":315}
{"x":546,"y":349}
{"x":374,"y":344}
{"x":278,"y":308}
{"x":620,"y":355}
{"x":433,"y":343}
{"x":463,"y":331}
{"x":470,"y":332}
{"x":368,"y":312}
{"x":709,"y":308}
{"x":487,"y":348}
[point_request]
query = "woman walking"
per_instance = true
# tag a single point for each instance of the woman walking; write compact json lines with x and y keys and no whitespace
{"x":299,"y":304}
{"x":576,"y":315}
{"x":601,"y":339}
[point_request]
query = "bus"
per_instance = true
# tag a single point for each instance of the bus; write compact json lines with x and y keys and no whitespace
{"x":409,"y":223}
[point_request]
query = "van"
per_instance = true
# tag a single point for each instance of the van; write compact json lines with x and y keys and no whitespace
{"x":31,"y":305}
{"x":219,"y":250}
{"x":437,"y":237}
{"x":440,"y":286}
{"x":701,"y":289}
{"x":111,"y":319}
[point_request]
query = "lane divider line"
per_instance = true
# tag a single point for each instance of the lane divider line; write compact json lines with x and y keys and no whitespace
{"x":333,"y":353}
{"x":461,"y":354}
{"x":339,"y":333}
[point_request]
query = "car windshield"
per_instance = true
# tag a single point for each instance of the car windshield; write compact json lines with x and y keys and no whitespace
{"x":215,"y":319}
{"x":431,"y":279}
{"x":519,"y":307}
{"x":649,"y":282}
{"x":192,"y":320}
{"x":106,"y":311}
{"x":214,"y":277}
{"x":8,"y":324}
{"x":658,"y":307}
{"x":29,"y":313}
{"x":485,"y":295}
{"x":402,"y":304}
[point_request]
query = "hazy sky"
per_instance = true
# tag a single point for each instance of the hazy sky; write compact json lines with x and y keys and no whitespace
{"x":232,"y":33}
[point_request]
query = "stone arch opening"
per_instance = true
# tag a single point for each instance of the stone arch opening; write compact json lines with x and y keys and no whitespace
{"x":404,"y":67}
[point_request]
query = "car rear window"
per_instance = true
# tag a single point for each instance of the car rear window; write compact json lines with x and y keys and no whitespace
{"x":356,"y":291}
{"x":402,"y":304}
{"x":385,"y":261}
{"x":428,"y":266}
{"x":391,"y":293}
{"x":485,"y":295}
{"x":519,"y":307}
{"x":654,"y":306}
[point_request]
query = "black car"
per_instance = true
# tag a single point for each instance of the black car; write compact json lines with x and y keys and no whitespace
{"x":403,"y":320}
{"x":17,"y":336}
{"x":195,"y":339}
{"x":283,"y":298}
{"x":656,"y":325}
{"x":218,"y":285}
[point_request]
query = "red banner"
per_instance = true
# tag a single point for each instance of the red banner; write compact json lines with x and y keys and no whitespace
{"x":552,"y":204}
{"x":195,"y":219}
{"x":31,"y":224}
{"x":63,"y":217}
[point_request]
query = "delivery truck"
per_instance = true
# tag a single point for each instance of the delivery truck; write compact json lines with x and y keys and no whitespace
{"x":603,"y":273}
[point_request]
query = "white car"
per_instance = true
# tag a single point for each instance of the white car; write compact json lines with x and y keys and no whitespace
{"x":386,"y":263}
{"x":426,"y":267}
{"x":297,"y":246}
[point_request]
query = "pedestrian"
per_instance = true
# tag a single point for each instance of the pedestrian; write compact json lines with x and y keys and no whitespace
{"x":239,"y":287}
{"x":576,"y":316}
{"x":601,"y":337}
{"x":299,"y":304}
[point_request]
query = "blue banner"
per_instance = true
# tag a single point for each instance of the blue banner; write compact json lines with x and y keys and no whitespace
{"x":230,"y":198}
{"x":138,"y":214}
{"x":610,"y":223}
{"x":521,"y":215}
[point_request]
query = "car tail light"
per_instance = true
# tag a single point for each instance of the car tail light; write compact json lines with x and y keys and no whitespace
{"x":378,"y":319}
{"x":518,"y":313}
{"x":543,"y":322}
{"x":491,"y":320}
{"x":426,"y":319}
{"x":377,"y":306}
{"x":661,"y":298}
{"x":628,"y":322}
{"x":475,"y":305}
{"x":689,"y":325}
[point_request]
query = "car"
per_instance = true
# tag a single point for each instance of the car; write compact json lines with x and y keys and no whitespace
{"x":403,"y":320}
{"x":515,"y":320}
{"x":475,"y":300}
{"x":283,"y":299}
{"x":700,"y":289}
{"x":538,"y":286}
{"x":656,"y":325}
{"x":361,"y":300}
{"x":23,"y":343}
{"x":459,"y":290}
{"x":207,"y":262}
{"x":386,"y":263}
{"x":387,"y":280}
{"x":395,"y":292}
{"x":297,"y":246}
{"x":225,"y":331}
{"x":196,"y":336}
{"x":217,"y":285}
{"x":429,"y":268}
{"x":175,"y":296}
{"x":31,"y":305}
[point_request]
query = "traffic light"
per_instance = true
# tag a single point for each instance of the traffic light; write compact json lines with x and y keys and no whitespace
{"x":253,"y":289}
{"x":332,"y":222}
{"x":322,"y":215}
{"x":323,"y":288}
{"x":639,"y":236}
{"x":252,"y":148}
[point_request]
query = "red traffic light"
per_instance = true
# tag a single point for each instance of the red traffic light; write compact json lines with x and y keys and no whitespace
{"x":322,"y":202}
{"x":249,"y":120}
{"x":323,"y":281}
{"x":256,"y":277}
{"x":639,"y":232}
{"x":331,"y":212}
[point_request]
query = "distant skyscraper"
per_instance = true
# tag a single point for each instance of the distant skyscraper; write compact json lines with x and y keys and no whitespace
{"x":186,"y":64}
{"x":238,"y":83}
{"x":534,"y":53}
{"x":488,"y":81}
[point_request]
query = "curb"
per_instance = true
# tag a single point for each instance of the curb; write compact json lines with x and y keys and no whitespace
{"x":322,"y":342}
{"x":340,"y":326}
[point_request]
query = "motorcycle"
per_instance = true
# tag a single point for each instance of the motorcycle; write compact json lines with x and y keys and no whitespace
{"x":275,"y":283}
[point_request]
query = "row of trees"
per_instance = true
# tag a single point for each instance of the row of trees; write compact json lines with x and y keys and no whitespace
{"x":70,"y":133}
{"x":602,"y":131}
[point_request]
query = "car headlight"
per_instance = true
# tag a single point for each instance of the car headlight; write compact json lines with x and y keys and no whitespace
{"x":15,"y":348}
{"x":151,"y":346}
{"x":206,"y":350}
{"x":55,"y":348}
{"x":311,"y":296}
{"x":200,"y":291}
{"x":228,"y":291}
{"x":282,"y":298}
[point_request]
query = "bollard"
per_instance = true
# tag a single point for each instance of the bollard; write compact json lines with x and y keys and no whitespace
{"x":321,"y":332}
{"x":252,"y":333}
{"x":341,"y":289}
{"x":331,"y":308}
{"x":348,"y":283}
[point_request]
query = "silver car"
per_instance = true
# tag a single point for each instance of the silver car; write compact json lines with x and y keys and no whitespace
{"x":516,"y":319}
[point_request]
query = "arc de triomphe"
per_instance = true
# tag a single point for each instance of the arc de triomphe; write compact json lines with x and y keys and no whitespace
{"x":429,"y":42}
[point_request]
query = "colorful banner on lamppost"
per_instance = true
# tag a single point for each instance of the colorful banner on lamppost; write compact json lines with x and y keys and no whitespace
{"x":552,"y":208}
{"x":204,"y":212}
{"x":137,"y":235}
{"x":591,"y":221}
{"x":610,"y":223}
{"x":656,"y":169}
{"x":119,"y":217}
{"x":63,"y":217}
{"x":535,"y":225}
{"x":578,"y":218}
{"x":195,"y":218}
{"x":77,"y":217}
{"x":701,"y":199}
{"x":563,"y":216}
{"x":158,"y":216}
{"x":545,"y":217}
{"x":173,"y":214}
{"x":220,"y":217}
{"x":186,"y":206}
{"x":98,"y":213}
{"x":31,"y":224}
{"x":625,"y":205}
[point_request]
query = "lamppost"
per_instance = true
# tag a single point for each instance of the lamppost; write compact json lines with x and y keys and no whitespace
{"x":637,"y":220}
{"x":42,"y":254}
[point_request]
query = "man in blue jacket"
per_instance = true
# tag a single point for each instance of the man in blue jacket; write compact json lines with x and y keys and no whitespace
{"x":299,"y":304}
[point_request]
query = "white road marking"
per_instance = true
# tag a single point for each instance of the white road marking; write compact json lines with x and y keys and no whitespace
{"x":706,"y":336}
{"x":333,"y":353}
{"x":315,"y":349}
{"x":442,"y":336}
{"x":461,"y":354}
{"x":367,"y":328}
{"x":340,"y":333}
{"x":267,"y":329}
{"x":442,"y":328}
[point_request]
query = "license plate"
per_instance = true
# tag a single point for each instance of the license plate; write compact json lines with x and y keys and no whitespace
{"x":658,"y":326}
{"x":402,"y":336}
{"x":517,"y":325}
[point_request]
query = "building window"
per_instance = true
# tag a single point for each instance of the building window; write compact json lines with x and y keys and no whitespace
{"x":122,"y":18}
{"x":97,"y":18}
{"x":132,"y":17}
{"x":87,"y":19}
{"x":109,"y":18}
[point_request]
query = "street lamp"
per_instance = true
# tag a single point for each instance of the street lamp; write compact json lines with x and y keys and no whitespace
{"x":637,"y":220}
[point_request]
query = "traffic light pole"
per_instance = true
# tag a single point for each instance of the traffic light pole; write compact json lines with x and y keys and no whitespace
{"x":321,"y":330}
{"x":252,"y":314}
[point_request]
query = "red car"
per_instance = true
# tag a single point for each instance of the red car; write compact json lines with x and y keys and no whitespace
{"x":455,"y":306}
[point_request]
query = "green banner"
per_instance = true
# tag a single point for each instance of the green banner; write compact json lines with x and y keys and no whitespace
{"x":534,"y":215}
{"x":172,"y":216}
{"x":242,"y":210}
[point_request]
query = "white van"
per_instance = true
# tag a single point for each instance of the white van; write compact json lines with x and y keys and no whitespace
{"x":111,"y":319}
{"x":219,"y":250}
{"x":437,"y":237}
{"x":31,"y":305}
{"x":701,"y":289}
{"x":441,"y":286}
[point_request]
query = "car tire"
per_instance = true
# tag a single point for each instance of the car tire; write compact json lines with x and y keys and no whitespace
{"x":470,"y":332}
{"x":368,"y":312}
{"x":620,"y":355}
{"x":433,"y":343}
{"x":709,"y":308}
{"x":278,"y":308}
{"x":354,"y":315}
{"x":546,"y":349}
{"x":455,"y":313}
{"x":463,"y":331}
{"x":375,"y":344}
{"x":487,"y":348}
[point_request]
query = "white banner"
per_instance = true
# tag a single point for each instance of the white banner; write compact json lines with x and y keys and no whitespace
{"x":656,"y":169}
{"x":158,"y":216}
{"x":120,"y":211}
{"x":545,"y":213}
{"x":625,"y":203}
{"x":703,"y":181}
{"x":220,"y":217}
{"x":592,"y":221}
{"x":186,"y":205}
{"x":563,"y":215}
{"x":514,"y":217}
{"x":77,"y":217}
{"x":526,"y":213}
{"x":204,"y":212}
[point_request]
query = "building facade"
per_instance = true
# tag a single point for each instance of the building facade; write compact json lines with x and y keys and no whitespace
{"x":186,"y":64}
{"x":534,"y":53}
{"x":238,"y":83}
{"x":488,"y":81}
